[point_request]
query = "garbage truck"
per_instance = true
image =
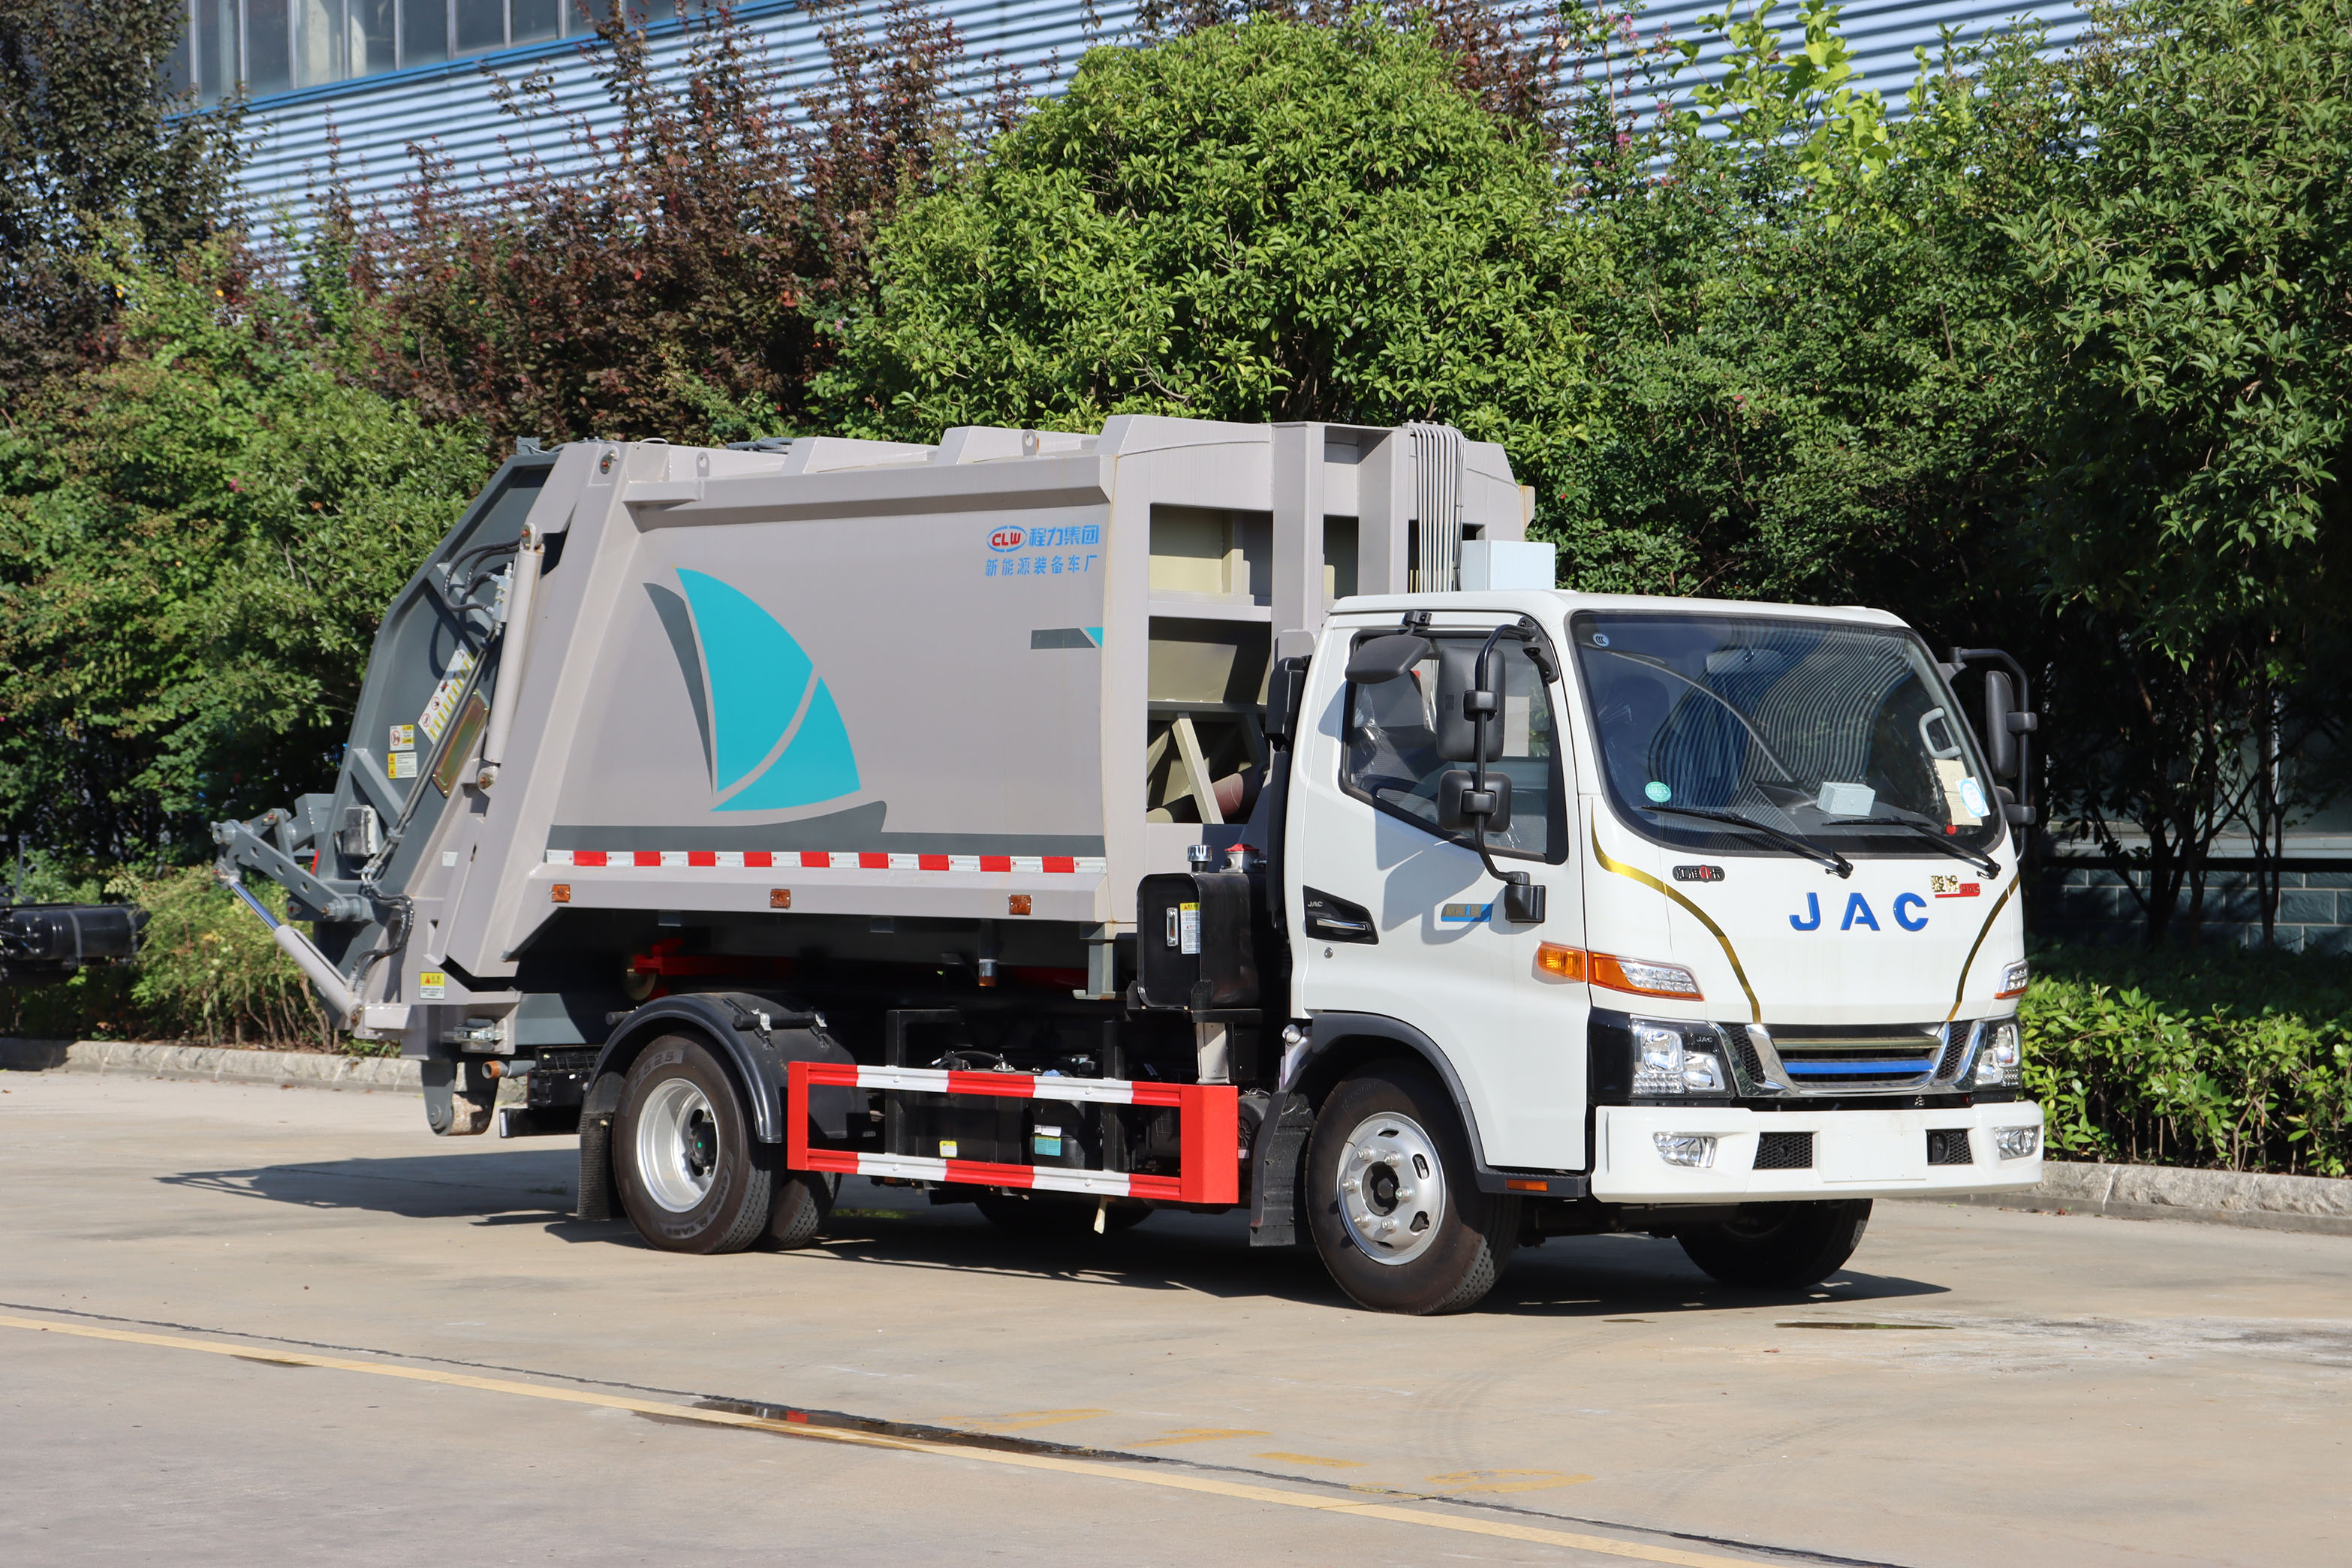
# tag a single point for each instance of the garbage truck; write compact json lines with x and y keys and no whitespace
{"x":1186,"y":814}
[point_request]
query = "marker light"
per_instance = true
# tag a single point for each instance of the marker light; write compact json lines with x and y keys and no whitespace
{"x":1567,"y":962}
{"x":1998,"y":1063}
{"x":2014,"y":981}
{"x":2017,"y":1142}
{"x":1644,"y":979}
{"x":1695,"y":1150}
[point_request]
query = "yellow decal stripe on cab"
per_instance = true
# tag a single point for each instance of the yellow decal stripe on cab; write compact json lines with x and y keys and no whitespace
{"x":1646,"y":880}
{"x":1961,"y":991}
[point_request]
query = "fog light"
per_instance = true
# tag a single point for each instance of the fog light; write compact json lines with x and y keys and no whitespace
{"x":1997,"y":1064}
{"x":2017,"y":1142}
{"x":1695,"y":1150}
{"x":1657,"y":1060}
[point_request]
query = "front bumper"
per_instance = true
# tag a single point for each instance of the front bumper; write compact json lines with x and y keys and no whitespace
{"x":1856,"y":1154}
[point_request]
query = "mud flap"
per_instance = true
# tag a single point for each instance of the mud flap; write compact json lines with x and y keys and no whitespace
{"x":596,"y":1169}
{"x":1278,"y":1160}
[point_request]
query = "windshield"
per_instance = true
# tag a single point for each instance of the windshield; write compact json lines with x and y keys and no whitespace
{"x":1836,"y":732}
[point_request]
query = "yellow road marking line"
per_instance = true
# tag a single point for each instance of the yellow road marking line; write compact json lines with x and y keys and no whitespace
{"x":1207,"y":1485}
{"x":1022,"y":1420}
{"x":1311,"y":1460}
{"x":1198,"y":1435}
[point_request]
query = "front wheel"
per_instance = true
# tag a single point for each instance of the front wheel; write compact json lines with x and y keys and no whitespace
{"x":1779,"y":1246}
{"x":683,"y":1157}
{"x":1392,"y":1197}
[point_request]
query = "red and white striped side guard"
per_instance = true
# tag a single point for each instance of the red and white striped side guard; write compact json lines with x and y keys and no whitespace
{"x":1208,"y":1168}
{"x":828,"y":860}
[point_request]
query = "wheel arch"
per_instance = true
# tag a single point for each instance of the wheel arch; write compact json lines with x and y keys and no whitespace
{"x":1344,"y":1043}
{"x":755,"y":1060}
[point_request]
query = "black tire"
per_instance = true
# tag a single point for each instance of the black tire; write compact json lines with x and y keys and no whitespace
{"x":803,"y":1203}
{"x":1051,"y":1216}
{"x":1448,"y":1240}
{"x":1779,"y":1246}
{"x":691,"y":1176}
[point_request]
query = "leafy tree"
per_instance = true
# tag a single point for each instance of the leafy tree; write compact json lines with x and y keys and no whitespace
{"x":197,"y":538}
{"x":679,"y":285}
{"x":2185,"y":332}
{"x":92,"y":142}
{"x":1261,"y":220}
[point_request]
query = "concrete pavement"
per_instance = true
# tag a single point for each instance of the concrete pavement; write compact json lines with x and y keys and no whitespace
{"x":1982,"y":1384}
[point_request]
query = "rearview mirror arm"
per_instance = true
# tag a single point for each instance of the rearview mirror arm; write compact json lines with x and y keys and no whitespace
{"x":1522,"y":901}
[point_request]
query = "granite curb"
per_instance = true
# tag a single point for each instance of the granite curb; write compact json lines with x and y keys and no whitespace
{"x":213,"y":1063}
{"x":2319,"y":1205}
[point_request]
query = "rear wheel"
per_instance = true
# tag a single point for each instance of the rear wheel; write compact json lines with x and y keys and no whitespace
{"x":1779,"y":1246}
{"x":1393,"y":1199}
{"x":803,"y":1203}
{"x":690,"y":1178}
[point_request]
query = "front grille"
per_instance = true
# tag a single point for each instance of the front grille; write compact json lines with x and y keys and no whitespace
{"x":1956,"y":1049}
{"x":1818,"y":1061}
{"x":1751,"y":1064}
{"x":1949,"y":1146}
{"x":1784,"y":1152}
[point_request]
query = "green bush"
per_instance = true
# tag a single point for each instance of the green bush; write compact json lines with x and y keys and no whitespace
{"x":2222,"y":1059}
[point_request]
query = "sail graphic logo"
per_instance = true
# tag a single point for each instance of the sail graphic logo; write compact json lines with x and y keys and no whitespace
{"x":771,"y":733}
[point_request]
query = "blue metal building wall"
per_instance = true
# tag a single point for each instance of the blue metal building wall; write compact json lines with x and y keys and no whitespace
{"x":356,"y":134}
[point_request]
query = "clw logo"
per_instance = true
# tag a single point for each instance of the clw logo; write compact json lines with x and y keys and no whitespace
{"x":1006,"y":539}
{"x":773,"y":732}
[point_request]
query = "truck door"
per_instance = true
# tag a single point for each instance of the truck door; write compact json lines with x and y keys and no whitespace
{"x":1396,"y":917}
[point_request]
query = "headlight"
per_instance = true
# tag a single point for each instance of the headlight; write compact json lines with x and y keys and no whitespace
{"x":1678,"y":1059}
{"x":2000,"y":1061}
{"x":2017,"y":1142}
{"x":2014,"y":980}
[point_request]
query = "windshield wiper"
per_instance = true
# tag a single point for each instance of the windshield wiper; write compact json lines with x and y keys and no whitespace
{"x":1706,"y":691}
{"x":1975,"y":858}
{"x":1803,"y":846}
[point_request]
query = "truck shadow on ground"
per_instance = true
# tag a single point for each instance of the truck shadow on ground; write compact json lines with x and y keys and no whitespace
{"x":1594,"y":1276}
{"x":1210,"y":1255}
{"x":494,"y":1187}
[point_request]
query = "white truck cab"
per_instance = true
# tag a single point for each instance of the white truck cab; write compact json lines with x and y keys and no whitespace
{"x":1179,"y":814}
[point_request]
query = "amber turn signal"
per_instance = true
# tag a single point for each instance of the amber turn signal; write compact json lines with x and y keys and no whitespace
{"x":1568,"y":963}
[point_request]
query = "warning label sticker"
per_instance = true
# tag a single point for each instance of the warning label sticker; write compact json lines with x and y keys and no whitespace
{"x":401,"y":764}
{"x":430,"y":985}
{"x":435,"y":717}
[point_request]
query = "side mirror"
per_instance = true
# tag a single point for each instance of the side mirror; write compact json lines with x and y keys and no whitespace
{"x":2003,"y":723}
{"x":1460,"y":703}
{"x":1386,"y":658}
{"x":1462,"y":805}
{"x":1286,"y":688}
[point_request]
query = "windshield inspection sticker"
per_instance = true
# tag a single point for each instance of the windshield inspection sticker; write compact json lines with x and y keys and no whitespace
{"x":1972,"y":796}
{"x":1661,"y":793}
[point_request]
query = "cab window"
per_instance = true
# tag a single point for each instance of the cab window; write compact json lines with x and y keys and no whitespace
{"x":1390,"y":759}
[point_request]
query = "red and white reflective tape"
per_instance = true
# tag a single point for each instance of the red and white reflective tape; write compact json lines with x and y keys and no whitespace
{"x":827,"y":860}
{"x":1208,"y":1165}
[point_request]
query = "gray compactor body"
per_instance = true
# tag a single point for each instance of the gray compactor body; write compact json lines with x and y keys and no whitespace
{"x":662,"y":719}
